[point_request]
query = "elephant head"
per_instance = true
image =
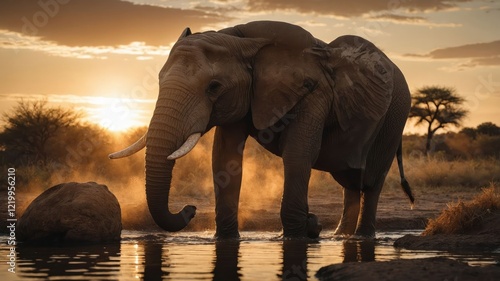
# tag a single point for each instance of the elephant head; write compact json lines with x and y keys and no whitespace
{"x":217,"y":78}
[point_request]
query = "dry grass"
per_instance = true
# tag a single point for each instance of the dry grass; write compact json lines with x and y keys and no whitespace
{"x":466,"y":217}
{"x":436,"y":172}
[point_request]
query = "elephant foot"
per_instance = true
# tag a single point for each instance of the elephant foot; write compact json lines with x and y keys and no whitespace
{"x":344,"y":230}
{"x":313,"y":226}
{"x":365,"y":231}
{"x":227,"y":235}
{"x":358,"y":237}
{"x":311,"y":229}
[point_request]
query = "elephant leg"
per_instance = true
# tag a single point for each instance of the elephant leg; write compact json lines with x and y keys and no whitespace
{"x":352,"y":181}
{"x":300,"y":144}
{"x":349,"y":220}
{"x":227,"y":156}
{"x":368,"y":211}
{"x":294,"y":205}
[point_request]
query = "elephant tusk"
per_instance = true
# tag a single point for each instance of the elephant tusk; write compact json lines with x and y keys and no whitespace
{"x":186,"y":147}
{"x":137,"y":146}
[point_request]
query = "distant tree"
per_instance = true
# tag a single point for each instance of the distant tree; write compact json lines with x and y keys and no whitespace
{"x":488,"y":128}
{"x":31,"y":125}
{"x":437,"y":107}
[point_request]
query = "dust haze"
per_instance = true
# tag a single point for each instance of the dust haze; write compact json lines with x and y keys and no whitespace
{"x":262,"y":183}
{"x":192,"y":183}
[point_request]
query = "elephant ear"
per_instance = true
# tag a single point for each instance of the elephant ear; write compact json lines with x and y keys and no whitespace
{"x":277,"y":85}
{"x":362,"y":79}
{"x":185,"y":33}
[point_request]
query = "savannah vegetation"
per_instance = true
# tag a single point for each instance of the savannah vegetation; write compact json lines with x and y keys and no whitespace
{"x":437,"y":108}
{"x":49,"y":145}
{"x":467,"y":216}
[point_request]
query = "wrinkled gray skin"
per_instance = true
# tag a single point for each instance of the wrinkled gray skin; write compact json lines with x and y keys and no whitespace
{"x":338,"y":107}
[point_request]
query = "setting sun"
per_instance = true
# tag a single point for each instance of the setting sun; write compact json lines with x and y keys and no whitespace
{"x":114,"y":114}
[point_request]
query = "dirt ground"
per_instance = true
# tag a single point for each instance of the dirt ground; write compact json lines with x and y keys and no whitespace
{"x":394,"y":209}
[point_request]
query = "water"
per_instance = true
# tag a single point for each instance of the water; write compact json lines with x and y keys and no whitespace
{"x":196,"y":256}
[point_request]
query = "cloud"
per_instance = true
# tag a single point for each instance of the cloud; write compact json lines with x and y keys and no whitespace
{"x":478,"y":50}
{"x":478,"y":54}
{"x":411,"y":20}
{"x":350,"y":9}
{"x":74,"y":99}
{"x":18,"y":41}
{"x":100,"y":22}
{"x":310,"y":23}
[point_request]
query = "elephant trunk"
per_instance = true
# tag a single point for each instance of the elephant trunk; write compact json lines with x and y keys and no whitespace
{"x":158,"y":182}
{"x":170,"y":126}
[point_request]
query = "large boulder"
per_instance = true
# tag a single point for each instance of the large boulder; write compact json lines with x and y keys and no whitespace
{"x":72,"y":212}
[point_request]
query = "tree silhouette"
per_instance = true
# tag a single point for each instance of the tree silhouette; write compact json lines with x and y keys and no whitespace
{"x":437,"y":107}
{"x":488,"y":128}
{"x":30,"y":125}
{"x":485,"y":128}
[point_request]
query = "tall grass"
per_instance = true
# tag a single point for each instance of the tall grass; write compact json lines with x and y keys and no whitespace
{"x":435,"y":171}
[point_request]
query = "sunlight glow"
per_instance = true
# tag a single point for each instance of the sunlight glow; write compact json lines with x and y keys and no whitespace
{"x":114,"y":114}
{"x":115,"y":118}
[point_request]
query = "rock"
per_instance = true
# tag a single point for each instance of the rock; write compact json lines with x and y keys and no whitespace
{"x":412,"y":269}
{"x":72,"y":212}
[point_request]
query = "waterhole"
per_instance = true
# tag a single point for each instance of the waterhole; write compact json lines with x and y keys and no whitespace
{"x":196,"y":256}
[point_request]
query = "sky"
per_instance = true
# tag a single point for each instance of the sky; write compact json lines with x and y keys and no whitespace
{"x":103,"y":56}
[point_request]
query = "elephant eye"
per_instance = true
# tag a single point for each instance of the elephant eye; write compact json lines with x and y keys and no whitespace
{"x":213,"y":88}
{"x":310,"y":84}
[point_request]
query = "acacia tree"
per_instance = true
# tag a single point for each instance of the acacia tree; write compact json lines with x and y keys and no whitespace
{"x":30,"y":125}
{"x":437,"y":107}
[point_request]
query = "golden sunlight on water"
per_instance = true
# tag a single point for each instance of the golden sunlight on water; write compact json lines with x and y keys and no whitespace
{"x":196,"y":256}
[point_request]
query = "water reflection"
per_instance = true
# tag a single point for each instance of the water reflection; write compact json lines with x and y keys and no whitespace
{"x":358,"y":250}
{"x":154,"y":260}
{"x":195,"y":256}
{"x":294,"y":260}
{"x":227,"y":255}
{"x":68,"y":262}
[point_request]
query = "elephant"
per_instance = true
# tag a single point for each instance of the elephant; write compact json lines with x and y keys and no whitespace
{"x":339,"y":107}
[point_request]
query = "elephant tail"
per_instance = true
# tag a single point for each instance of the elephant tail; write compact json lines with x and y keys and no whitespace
{"x":404,"y":183}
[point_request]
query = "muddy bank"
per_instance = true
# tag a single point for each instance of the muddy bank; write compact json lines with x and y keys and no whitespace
{"x":485,"y":238}
{"x":415,"y":269}
{"x":447,"y":242}
{"x":481,"y":234}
